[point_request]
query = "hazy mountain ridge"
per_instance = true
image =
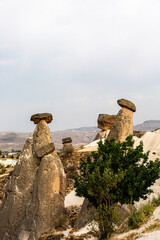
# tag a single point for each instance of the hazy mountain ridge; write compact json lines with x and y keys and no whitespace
{"x":149,"y":125}
{"x":80,"y":136}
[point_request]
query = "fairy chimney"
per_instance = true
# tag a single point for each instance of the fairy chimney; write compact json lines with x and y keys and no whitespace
{"x":123,"y":124}
{"x":34,"y":195}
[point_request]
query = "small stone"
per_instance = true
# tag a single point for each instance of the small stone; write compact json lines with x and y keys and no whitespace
{"x":105,"y":121}
{"x":127,"y":104}
{"x":47,"y":149}
{"x":66,"y":140}
{"x":36,"y":118}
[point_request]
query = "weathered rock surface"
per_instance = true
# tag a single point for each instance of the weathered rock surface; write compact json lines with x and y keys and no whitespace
{"x":127,"y":104}
{"x":45,"y":150}
{"x":123,"y":125}
{"x":36,"y":118}
{"x":67,"y":148}
{"x":34,"y":195}
{"x":86,"y":215}
{"x":105,"y":121}
{"x":101,"y":134}
{"x":42,"y":139}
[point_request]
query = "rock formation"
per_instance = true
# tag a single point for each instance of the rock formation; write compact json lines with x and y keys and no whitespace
{"x":123,"y":124}
{"x":67,"y":146}
{"x":105,"y":122}
{"x":34,"y":195}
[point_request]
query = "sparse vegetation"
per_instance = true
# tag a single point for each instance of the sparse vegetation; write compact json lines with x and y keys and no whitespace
{"x":141,"y":215}
{"x":116,"y":173}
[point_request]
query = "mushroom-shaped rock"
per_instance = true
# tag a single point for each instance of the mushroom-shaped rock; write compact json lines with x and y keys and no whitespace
{"x":123,"y":124}
{"x":127,"y":104}
{"x":34,"y":194}
{"x":67,"y":146}
{"x":36,"y":118}
{"x":105,"y":121}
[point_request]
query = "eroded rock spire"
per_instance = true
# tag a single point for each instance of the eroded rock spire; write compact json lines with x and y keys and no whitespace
{"x":34,"y":195}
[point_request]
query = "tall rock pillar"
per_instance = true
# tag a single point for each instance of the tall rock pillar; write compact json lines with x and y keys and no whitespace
{"x":123,"y":124}
{"x":34,"y":195}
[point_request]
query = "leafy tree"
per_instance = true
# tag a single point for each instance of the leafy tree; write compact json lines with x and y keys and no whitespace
{"x":0,"y":152}
{"x":116,"y":173}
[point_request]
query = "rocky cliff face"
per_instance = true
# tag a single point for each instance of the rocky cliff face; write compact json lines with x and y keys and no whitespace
{"x":34,"y":195}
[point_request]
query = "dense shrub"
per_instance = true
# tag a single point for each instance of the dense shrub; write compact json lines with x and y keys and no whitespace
{"x":116,"y":173}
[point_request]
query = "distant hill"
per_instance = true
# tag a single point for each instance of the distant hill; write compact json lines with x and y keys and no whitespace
{"x":80,"y":136}
{"x":149,"y":125}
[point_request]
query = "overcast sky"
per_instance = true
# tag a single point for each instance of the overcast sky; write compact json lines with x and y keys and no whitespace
{"x":76,"y":58}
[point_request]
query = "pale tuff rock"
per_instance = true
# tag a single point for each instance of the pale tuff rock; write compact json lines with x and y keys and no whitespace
{"x":67,"y":146}
{"x":34,"y":195}
{"x":86,"y":215}
{"x":36,"y":118}
{"x":42,"y":139}
{"x":101,"y":134}
{"x":47,"y":149}
{"x":123,"y":124}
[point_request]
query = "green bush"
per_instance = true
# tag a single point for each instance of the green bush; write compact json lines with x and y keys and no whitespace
{"x":116,"y":173}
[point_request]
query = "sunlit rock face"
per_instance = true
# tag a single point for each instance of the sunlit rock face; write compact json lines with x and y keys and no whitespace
{"x":34,"y":195}
{"x":123,"y":124}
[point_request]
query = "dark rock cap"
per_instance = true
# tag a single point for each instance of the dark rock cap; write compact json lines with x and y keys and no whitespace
{"x":127,"y":104}
{"x":66,"y":140}
{"x":36,"y":118}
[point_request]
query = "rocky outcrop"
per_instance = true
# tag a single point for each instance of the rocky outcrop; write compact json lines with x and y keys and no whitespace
{"x":123,"y":124}
{"x":67,"y":145}
{"x":86,"y":214}
{"x":34,"y":195}
{"x":105,"y":122}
